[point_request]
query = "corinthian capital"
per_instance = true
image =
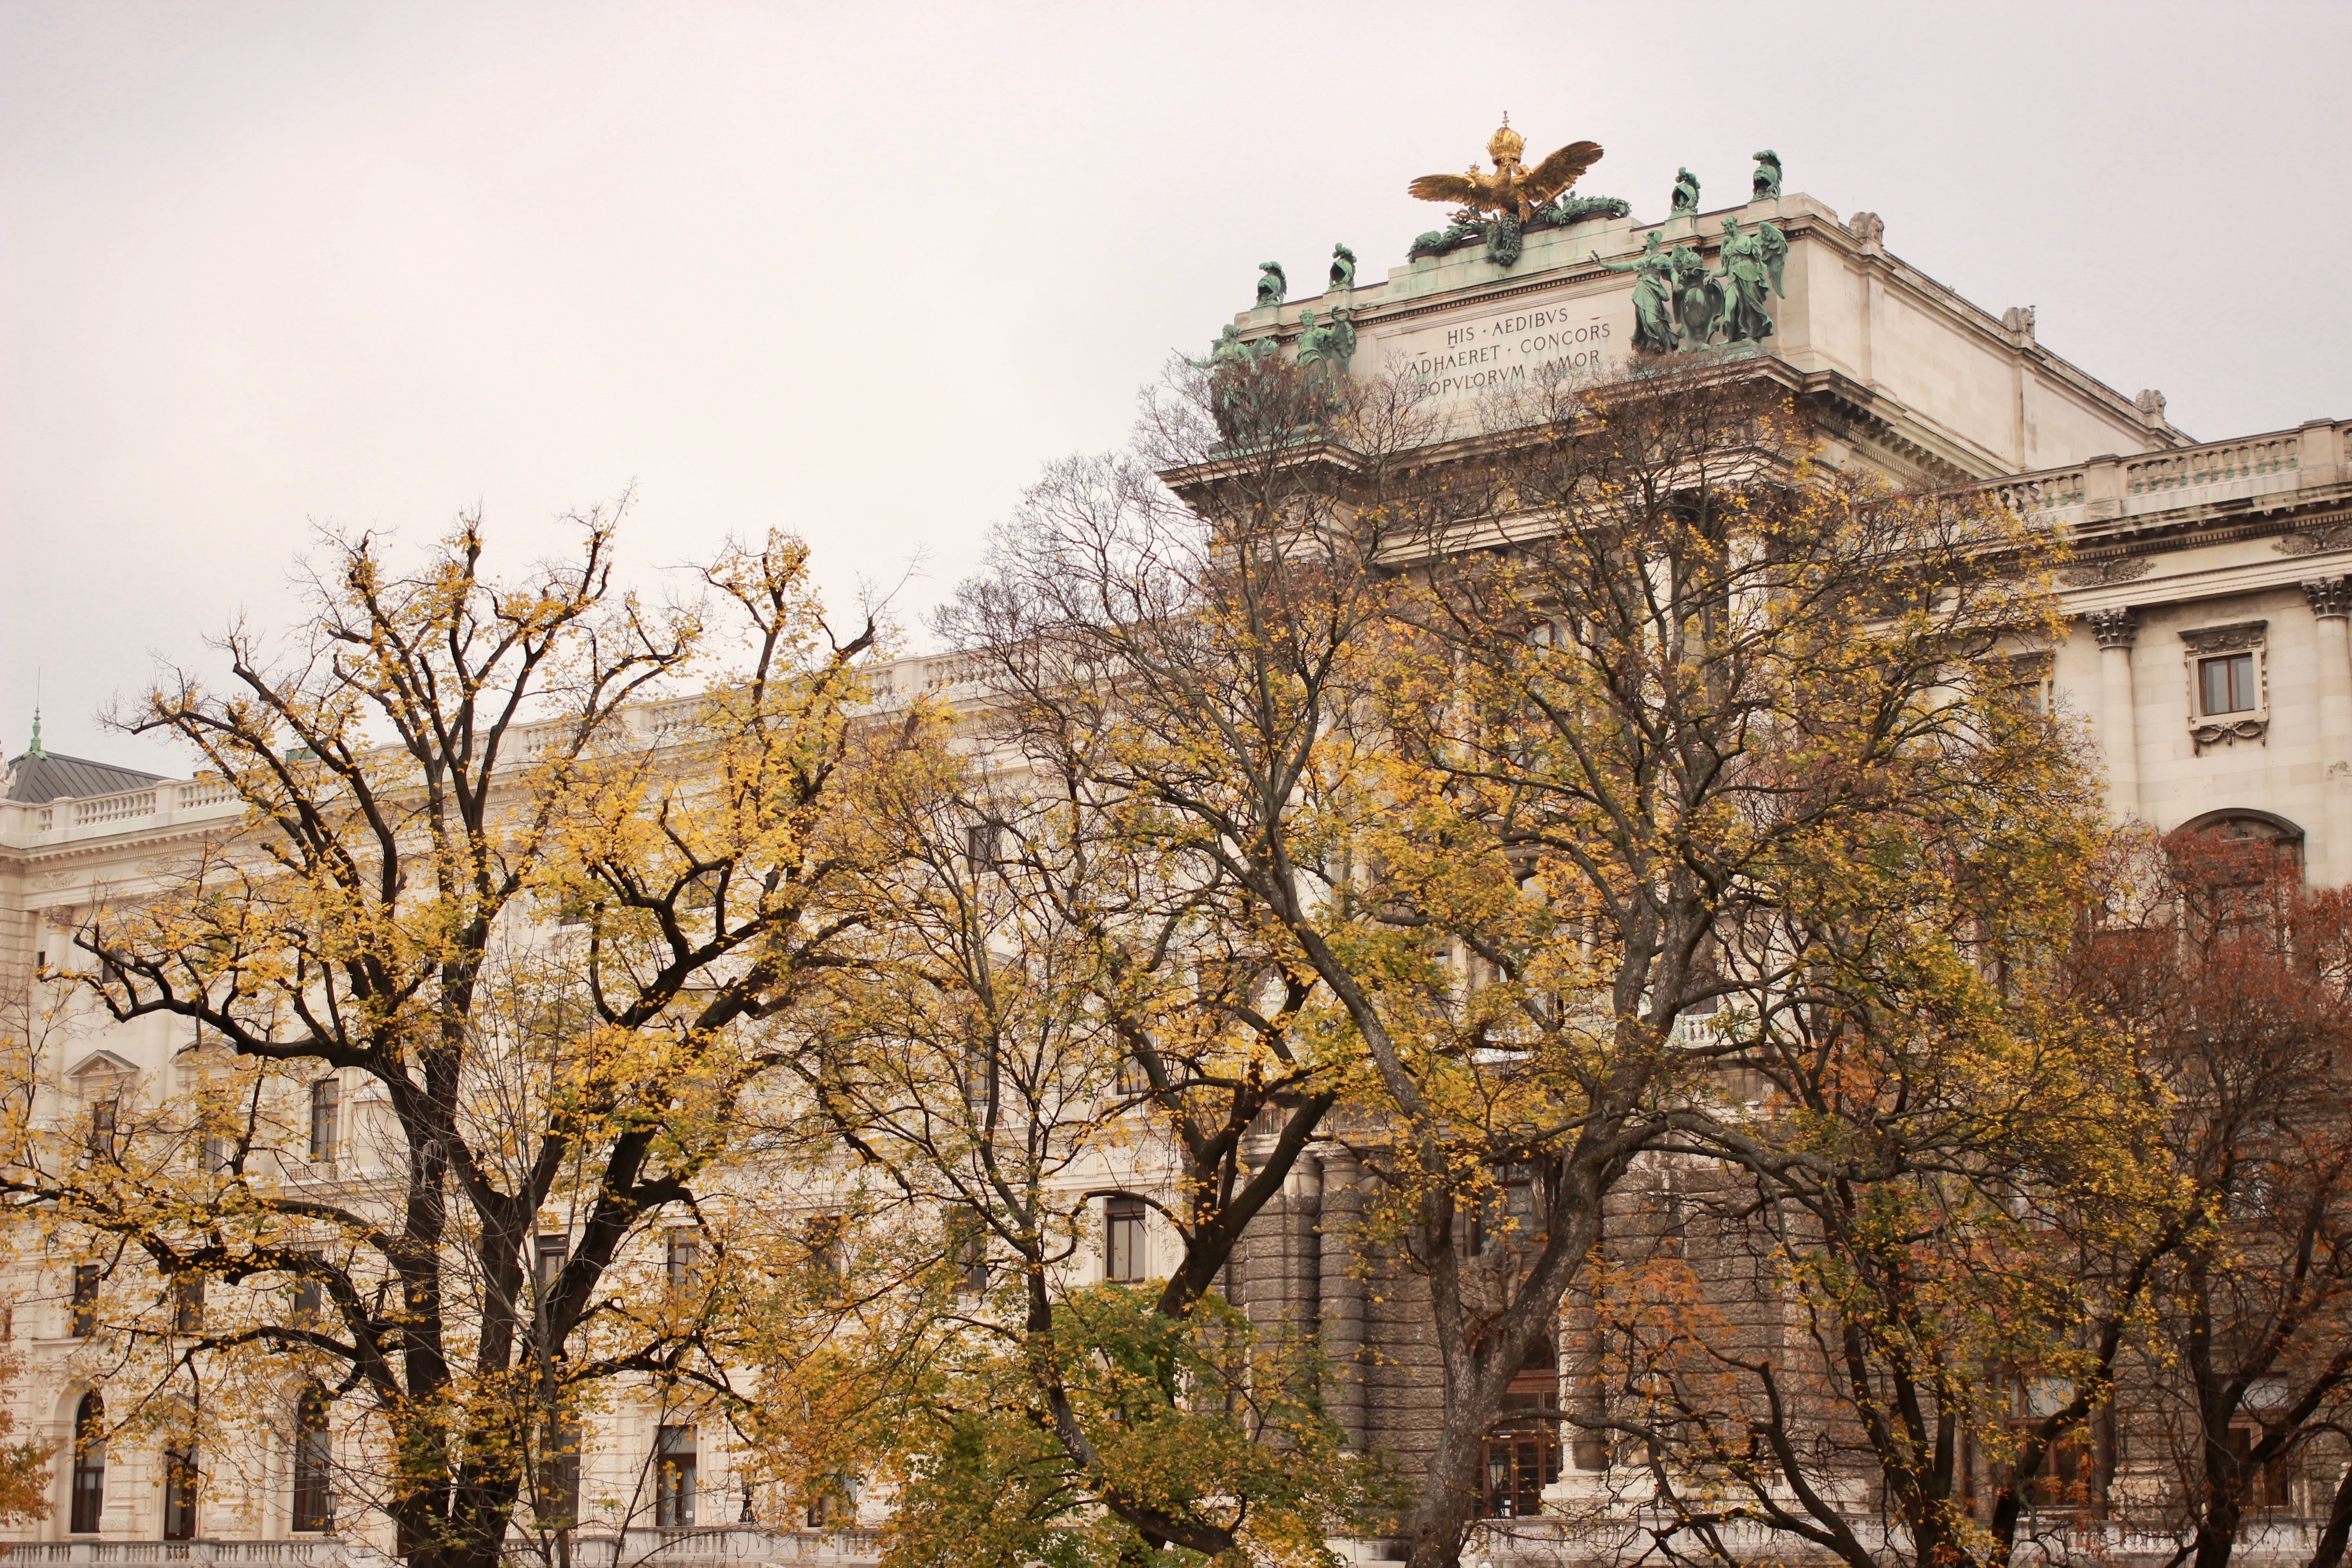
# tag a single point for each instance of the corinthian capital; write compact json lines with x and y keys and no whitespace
{"x":2329,"y":595}
{"x":2115,"y":627}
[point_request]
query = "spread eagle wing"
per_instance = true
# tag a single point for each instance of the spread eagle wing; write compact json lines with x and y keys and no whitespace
{"x":1465,"y":188}
{"x":1560,"y":171}
{"x":1776,"y":255}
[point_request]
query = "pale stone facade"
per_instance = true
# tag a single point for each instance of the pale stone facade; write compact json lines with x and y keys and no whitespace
{"x":2186,"y":552}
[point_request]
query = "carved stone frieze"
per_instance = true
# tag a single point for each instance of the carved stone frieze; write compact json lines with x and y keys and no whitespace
{"x":2235,"y":637}
{"x":2099,"y":573}
{"x":2228,"y":728}
{"x":2221,"y":733}
{"x":2315,"y":540}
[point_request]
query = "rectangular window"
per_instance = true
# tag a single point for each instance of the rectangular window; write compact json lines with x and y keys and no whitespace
{"x":179,"y":1494}
{"x":2266,"y":1483}
{"x":308,"y":1298}
{"x":554,"y":1251}
{"x":968,"y":1248}
{"x":2226,"y":684}
{"x":84,"y":1318}
{"x":1123,"y":1240}
{"x":673,"y":1478}
{"x":326,"y":1097}
{"x":684,"y":1262}
{"x":216,"y":1154}
{"x":314,"y":1497}
{"x":102,"y":1114}
{"x":1519,"y":1466}
{"x":983,"y":846}
{"x":559,"y":1472}
{"x":825,"y":1249}
{"x":188,"y":1304}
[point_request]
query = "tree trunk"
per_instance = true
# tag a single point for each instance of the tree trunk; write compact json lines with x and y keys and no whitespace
{"x":2217,"y":1533}
{"x":1442,"y":1513}
{"x":2329,"y":1553}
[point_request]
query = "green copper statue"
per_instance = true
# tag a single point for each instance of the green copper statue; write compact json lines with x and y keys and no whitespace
{"x":1332,"y":344}
{"x":1343,"y":267}
{"x":1768,"y":176}
{"x":1752,"y":266}
{"x":1698,"y":299}
{"x":1686,"y":192}
{"x":1272,"y":287}
{"x":1653,"y":270}
{"x":1230,"y":360}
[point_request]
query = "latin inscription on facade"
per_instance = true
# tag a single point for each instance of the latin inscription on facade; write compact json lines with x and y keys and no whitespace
{"x":1498,"y":351}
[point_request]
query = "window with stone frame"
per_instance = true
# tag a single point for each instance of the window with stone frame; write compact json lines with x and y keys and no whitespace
{"x":966,"y":1238}
{"x":2031,"y":678}
{"x":1522,"y":1453}
{"x":2229,"y":687}
{"x":180,"y":1492}
{"x":673,"y":1478}
{"x":1124,"y":1257}
{"x":2075,"y":1470}
{"x":326,"y":1107}
{"x":102,"y":1143}
{"x":87,"y":1489}
{"x":187,"y":1296}
{"x":2266,"y":1484}
{"x":313,"y":1499}
{"x":1507,"y":1215}
{"x":825,"y":1235}
{"x":81,"y":1318}
{"x":682,"y":1258}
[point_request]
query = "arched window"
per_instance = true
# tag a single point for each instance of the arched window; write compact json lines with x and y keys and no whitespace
{"x":2249,"y":833}
{"x":314,"y":1497}
{"x":2239,"y":873}
{"x":89,"y":1464}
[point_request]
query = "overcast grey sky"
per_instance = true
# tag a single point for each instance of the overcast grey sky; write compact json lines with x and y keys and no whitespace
{"x":859,"y":269}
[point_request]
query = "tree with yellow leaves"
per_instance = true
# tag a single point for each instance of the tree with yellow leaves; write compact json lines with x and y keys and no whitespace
{"x":473,"y":994}
{"x":1503,"y":737}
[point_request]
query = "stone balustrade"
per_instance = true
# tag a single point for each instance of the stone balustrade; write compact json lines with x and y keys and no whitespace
{"x":162,"y":805}
{"x":2211,"y":465}
{"x":2109,"y":488}
{"x":748,"y":1547}
{"x":722,"y":1548}
{"x":321,"y":1552}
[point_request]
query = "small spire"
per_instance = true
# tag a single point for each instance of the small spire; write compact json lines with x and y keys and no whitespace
{"x":35,"y":749}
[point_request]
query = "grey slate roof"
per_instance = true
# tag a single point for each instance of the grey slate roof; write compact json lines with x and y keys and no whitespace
{"x":52,"y":777}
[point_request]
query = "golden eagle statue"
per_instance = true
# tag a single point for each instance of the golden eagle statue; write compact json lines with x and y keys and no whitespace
{"x":1513,"y":190}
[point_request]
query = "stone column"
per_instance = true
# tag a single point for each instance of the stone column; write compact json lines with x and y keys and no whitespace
{"x":1342,"y":1296}
{"x":1264,"y":1265}
{"x":1306,"y":1250}
{"x":2331,"y":604}
{"x":2118,"y":731}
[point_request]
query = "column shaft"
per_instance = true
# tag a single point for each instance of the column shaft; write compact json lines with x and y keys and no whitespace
{"x":2331,"y":602}
{"x":2118,"y":726}
{"x":1342,"y":1296}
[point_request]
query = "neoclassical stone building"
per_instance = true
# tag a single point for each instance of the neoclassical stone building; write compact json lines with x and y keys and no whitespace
{"x":2208,"y":604}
